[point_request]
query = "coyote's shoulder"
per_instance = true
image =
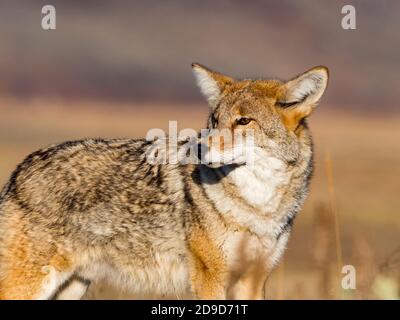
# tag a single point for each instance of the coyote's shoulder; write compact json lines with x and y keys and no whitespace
{"x":97,"y":209}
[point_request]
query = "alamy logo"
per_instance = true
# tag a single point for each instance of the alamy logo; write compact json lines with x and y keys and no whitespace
{"x":349,"y":278}
{"x":49,"y":18}
{"x":212,"y":147}
{"x":349,"y":20}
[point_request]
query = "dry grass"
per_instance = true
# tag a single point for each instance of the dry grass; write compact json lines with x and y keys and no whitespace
{"x":334,"y":212}
{"x":357,"y":181}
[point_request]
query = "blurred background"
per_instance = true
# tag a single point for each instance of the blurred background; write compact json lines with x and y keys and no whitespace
{"x":120,"y":68}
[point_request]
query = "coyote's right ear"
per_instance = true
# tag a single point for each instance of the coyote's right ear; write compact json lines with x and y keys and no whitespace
{"x":300,"y":95}
{"x":308,"y":87}
{"x":211,"y":83}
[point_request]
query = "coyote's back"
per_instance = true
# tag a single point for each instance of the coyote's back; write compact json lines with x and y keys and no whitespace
{"x":89,"y":201}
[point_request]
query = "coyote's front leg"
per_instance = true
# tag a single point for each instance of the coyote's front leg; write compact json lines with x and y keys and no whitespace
{"x":207,"y":267}
{"x":249,"y":285}
{"x":208,"y":284}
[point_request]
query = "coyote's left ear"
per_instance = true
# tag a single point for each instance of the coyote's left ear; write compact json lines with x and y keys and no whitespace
{"x":299,"y":96}
{"x":211,"y":83}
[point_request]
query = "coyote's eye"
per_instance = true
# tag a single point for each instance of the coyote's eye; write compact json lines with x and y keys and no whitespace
{"x":243,"y":121}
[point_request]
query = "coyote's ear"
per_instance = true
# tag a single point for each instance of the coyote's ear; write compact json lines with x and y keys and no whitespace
{"x":211,"y":83}
{"x":300,"y":95}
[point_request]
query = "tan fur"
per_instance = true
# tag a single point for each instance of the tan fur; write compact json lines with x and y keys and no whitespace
{"x":27,"y":262}
{"x":96,"y":210}
{"x":209,"y":266}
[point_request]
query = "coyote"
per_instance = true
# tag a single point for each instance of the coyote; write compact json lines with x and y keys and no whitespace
{"x":97,"y":210}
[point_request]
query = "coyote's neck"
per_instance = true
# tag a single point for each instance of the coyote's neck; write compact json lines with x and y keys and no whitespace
{"x":257,"y":196}
{"x":262,"y":184}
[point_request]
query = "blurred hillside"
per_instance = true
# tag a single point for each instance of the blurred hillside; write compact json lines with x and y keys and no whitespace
{"x":142,"y":50}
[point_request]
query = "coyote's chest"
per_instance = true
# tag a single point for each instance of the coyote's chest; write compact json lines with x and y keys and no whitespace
{"x":262,"y":184}
{"x":251,"y":202}
{"x":252,"y":196}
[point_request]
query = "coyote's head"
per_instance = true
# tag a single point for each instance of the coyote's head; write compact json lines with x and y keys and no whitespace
{"x":251,"y":119}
